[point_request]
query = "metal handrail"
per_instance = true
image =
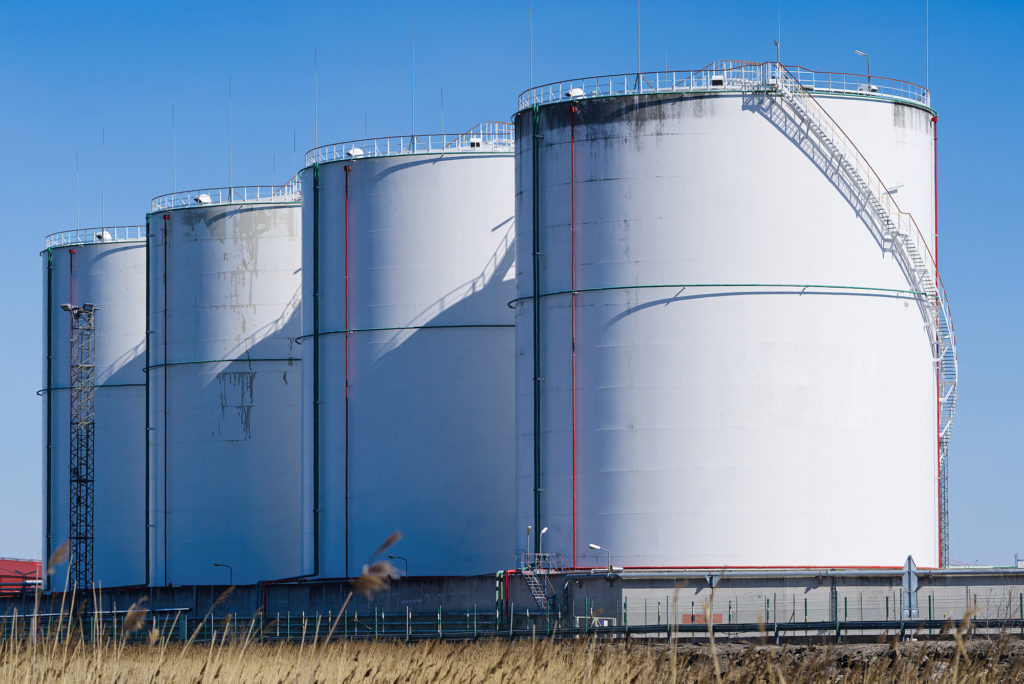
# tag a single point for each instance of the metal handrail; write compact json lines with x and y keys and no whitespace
{"x":88,"y":236}
{"x":290,"y":191}
{"x":486,"y":137}
{"x":719,"y":75}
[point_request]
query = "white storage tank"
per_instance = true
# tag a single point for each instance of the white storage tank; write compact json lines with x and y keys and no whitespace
{"x":224,"y":385}
{"x":407,"y":351}
{"x":724,"y":358}
{"x":105,"y":267}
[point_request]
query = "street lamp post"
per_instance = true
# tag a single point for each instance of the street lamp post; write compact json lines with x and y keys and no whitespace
{"x":231,"y":572}
{"x":865,"y":56}
{"x":540,"y":541}
{"x":404,"y":560}
{"x":595,"y":547}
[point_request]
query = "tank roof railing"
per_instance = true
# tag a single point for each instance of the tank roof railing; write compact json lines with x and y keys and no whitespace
{"x":290,"y":191}
{"x":486,"y":137}
{"x":717,"y":76}
{"x":100,"y":235}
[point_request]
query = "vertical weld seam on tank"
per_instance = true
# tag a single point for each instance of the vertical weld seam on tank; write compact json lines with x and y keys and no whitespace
{"x":536,"y":325}
{"x":316,"y":369}
{"x":165,"y":285}
{"x":572,"y":306}
{"x":348,"y":524}
{"x":148,"y":579}
{"x":48,"y":398}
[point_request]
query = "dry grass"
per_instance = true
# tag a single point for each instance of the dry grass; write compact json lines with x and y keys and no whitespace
{"x":501,"y":661}
{"x":63,"y":656}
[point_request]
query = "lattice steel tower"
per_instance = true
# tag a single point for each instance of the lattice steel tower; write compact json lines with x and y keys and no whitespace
{"x":83,"y":441}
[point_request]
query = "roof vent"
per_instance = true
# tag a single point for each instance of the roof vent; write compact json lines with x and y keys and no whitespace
{"x":867,"y":88}
{"x":202,"y":199}
{"x":717,"y":80}
{"x":475,"y":141}
{"x":575,"y":92}
{"x":355,"y":152}
{"x":103,"y":235}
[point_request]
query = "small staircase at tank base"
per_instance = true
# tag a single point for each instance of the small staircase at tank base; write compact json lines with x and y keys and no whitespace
{"x":902,"y":236}
{"x":535,"y":569}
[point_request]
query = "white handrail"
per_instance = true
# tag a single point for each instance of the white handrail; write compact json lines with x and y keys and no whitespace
{"x":719,"y":75}
{"x":487,"y":137}
{"x":243,"y":194}
{"x":102,"y":235}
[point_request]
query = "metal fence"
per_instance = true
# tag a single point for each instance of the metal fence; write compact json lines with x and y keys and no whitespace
{"x":719,"y":76}
{"x":87,"y":236}
{"x":490,"y":136}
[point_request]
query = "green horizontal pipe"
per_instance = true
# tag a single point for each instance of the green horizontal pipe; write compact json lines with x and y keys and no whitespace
{"x":64,"y":387}
{"x":191,"y":363}
{"x":405,"y":327}
{"x":858,"y":288}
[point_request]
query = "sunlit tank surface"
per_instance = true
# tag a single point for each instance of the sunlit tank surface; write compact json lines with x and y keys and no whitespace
{"x":407,"y":416}
{"x":744,"y":375}
{"x":105,"y":267}
{"x":224,"y":385}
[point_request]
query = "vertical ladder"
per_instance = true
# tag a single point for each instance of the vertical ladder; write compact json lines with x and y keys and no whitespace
{"x":904,"y":238}
{"x":83,"y":440}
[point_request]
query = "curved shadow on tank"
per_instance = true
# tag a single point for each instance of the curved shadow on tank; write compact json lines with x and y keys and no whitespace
{"x":434,"y":158}
{"x":432,"y":433}
{"x":769,"y":107}
{"x":235,"y":490}
{"x":783,"y":120}
{"x":663,"y":301}
{"x":438,"y":314}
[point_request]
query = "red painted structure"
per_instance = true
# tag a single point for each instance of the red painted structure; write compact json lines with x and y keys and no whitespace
{"x":19,"y":576}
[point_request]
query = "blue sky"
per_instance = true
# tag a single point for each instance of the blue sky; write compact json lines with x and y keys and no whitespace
{"x":69,"y":70}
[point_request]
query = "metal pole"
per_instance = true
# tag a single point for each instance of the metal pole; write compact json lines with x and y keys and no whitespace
{"x":229,"y":136}
{"x":638,"y":42}
{"x":316,"y":100}
{"x":174,"y":154}
{"x":412,"y":109}
{"x":531,"y":44}
{"x":103,"y":159}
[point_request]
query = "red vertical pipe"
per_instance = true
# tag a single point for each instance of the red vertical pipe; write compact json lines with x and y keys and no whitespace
{"x":572,"y":307}
{"x":938,"y":386}
{"x":71,"y":316}
{"x":348,"y":169}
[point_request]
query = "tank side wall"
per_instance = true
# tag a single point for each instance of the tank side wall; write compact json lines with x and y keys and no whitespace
{"x":224,"y":316}
{"x":112,"y":277}
{"x":429,"y":362}
{"x":711,"y":406}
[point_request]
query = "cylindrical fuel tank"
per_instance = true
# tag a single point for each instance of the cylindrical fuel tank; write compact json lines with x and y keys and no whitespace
{"x":719,"y":363}
{"x":407,"y":351}
{"x":224,"y":386}
{"x":104,"y":267}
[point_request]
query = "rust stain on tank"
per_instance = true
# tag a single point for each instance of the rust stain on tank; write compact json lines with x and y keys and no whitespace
{"x":236,"y":402}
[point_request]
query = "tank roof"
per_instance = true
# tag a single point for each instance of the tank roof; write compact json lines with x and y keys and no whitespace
{"x":488,"y":137}
{"x":87,"y":236}
{"x":240,"y":194}
{"x":723,"y":75}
